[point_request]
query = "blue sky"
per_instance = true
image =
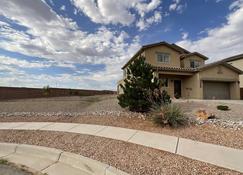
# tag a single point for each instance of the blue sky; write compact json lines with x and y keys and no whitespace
{"x":84,"y":43}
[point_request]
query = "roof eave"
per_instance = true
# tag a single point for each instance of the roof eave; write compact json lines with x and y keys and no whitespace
{"x":221,"y":63}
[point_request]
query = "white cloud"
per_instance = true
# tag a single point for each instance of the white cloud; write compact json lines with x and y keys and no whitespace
{"x":236,"y":4}
{"x":63,"y":8}
{"x":59,"y":40}
{"x":184,"y":35}
{"x":116,"y":12}
{"x":217,"y":1}
{"x":143,"y":24}
{"x":176,"y":6}
{"x":144,"y":8}
{"x":223,"y":41}
{"x":21,"y":63}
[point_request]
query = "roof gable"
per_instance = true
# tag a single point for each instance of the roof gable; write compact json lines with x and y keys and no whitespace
{"x":194,"y":53}
{"x":145,"y":47}
{"x":207,"y":66}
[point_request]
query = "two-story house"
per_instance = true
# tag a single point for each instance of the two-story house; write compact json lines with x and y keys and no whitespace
{"x":237,"y":61}
{"x":185,"y":75}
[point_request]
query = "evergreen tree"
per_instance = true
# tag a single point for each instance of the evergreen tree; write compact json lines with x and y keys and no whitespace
{"x":138,"y":86}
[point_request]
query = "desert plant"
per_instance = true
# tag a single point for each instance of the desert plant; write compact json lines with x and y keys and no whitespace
{"x":171,"y":115}
{"x":159,"y":97}
{"x":223,"y":107}
{"x":139,"y":82}
{"x":3,"y":162}
{"x":46,"y":90}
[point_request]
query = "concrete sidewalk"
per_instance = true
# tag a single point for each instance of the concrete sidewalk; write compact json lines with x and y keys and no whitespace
{"x":54,"y":161}
{"x":214,"y":154}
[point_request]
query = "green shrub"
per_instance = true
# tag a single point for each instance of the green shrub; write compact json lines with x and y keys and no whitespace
{"x":223,"y":107}
{"x":159,"y":98}
{"x":170,"y":115}
{"x":138,"y":84}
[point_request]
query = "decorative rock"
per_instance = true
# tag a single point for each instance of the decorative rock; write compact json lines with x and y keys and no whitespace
{"x":75,"y":114}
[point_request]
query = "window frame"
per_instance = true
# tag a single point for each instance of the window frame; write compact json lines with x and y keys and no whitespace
{"x":194,"y":63}
{"x":163,"y":57}
{"x":164,"y":82}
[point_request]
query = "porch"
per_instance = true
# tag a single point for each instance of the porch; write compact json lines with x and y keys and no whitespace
{"x":174,"y":84}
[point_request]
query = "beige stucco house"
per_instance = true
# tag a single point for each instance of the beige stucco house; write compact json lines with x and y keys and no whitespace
{"x":237,"y":61}
{"x":184,"y":74}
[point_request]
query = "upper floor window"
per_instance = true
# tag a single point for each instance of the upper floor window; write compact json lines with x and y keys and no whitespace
{"x":194,"y":63}
{"x":163,"y":57}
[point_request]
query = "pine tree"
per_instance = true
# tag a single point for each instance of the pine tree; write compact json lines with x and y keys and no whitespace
{"x":138,"y":85}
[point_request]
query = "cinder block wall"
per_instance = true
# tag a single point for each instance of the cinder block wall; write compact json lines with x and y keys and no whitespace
{"x":8,"y":93}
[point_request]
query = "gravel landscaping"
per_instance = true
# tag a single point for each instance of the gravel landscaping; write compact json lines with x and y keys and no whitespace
{"x":235,"y":113}
{"x":131,"y":158}
{"x":104,"y":110}
{"x":204,"y":133}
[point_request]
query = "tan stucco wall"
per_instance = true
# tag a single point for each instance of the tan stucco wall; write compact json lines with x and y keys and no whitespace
{"x":186,"y":61}
{"x":151,"y":56}
{"x":227,"y":75}
{"x":213,"y":74}
{"x":241,"y":81}
{"x":191,"y":87}
{"x":119,"y":88}
{"x":238,"y":64}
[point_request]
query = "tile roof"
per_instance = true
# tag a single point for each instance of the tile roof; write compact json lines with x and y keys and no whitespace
{"x":179,"y":69}
{"x":198,"y":69}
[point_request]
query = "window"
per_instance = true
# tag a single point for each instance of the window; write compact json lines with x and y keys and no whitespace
{"x":164,"y":82}
{"x":163,"y":57}
{"x":194,"y":63}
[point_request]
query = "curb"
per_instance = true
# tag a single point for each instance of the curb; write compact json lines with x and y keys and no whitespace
{"x":54,"y":161}
{"x":210,"y":153}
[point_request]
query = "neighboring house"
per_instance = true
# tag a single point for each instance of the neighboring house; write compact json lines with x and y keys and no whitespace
{"x":237,"y":61}
{"x":185,"y":75}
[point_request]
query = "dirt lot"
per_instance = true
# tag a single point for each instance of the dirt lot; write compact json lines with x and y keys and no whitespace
{"x":110,"y":103}
{"x":62,"y":104}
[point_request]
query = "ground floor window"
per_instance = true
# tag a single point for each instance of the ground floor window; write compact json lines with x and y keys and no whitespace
{"x":164,"y":82}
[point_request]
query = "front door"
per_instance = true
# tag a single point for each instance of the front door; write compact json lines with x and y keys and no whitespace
{"x":177,"y":88}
